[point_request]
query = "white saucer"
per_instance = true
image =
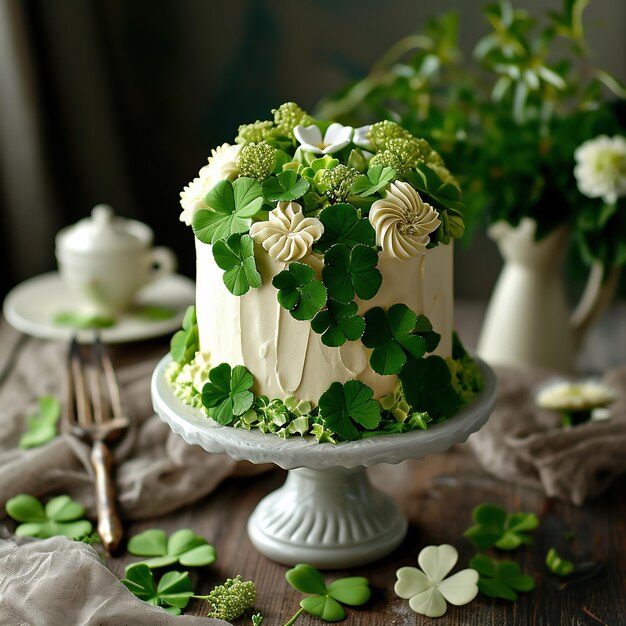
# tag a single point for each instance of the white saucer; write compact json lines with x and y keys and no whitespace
{"x":32,"y":305}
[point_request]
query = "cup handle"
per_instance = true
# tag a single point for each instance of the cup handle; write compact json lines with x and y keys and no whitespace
{"x":163,"y":262}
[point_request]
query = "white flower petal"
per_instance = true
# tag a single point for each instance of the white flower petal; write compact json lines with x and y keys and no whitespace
{"x":430,"y":603}
{"x":437,"y":561}
{"x":335,"y":147}
{"x":410,"y":581}
{"x":361,"y":139}
{"x":338,"y":133}
{"x":461,"y":587}
{"x":310,"y":138}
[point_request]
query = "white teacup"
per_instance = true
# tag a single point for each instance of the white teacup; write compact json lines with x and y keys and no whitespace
{"x":105,"y":260}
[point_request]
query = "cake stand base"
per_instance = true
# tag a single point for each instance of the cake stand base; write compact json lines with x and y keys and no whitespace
{"x":332,"y":518}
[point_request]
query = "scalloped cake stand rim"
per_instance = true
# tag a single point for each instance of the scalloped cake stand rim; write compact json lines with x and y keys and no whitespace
{"x":296,"y":452}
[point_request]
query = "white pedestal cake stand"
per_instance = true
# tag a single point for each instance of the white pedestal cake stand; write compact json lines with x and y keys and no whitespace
{"x":327,"y":513}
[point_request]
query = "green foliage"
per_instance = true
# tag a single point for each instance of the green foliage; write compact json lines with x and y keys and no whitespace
{"x":343,"y":225}
{"x":257,"y":160}
{"x":378,"y":178}
{"x":337,"y":182}
{"x":153,"y":312}
{"x":236,"y":257}
{"x":227,"y":394}
{"x":466,"y":377}
{"x":558,"y":565}
{"x":325,"y":601}
{"x":185,"y":343}
{"x":446,"y":193}
{"x":60,"y":516}
{"x":285,"y":187}
{"x":230,"y":600}
{"x":83,"y":321}
{"x":41,"y":427}
{"x":184,"y":547}
{"x":351,"y":271}
{"x":495,"y":527}
{"x":500,"y":579}
{"x":345,"y":407}
{"x":338,"y":323}
{"x":299,"y":291}
{"x":257,"y":619}
{"x":233,"y":207}
{"x":289,"y":115}
{"x":172,"y":593}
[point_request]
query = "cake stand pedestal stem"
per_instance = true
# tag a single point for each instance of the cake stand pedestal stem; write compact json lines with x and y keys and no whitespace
{"x":332,"y":518}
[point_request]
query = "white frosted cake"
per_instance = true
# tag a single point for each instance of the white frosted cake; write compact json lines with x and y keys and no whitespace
{"x":324,"y":300}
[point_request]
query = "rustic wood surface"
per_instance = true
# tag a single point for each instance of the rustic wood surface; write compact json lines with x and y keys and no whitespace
{"x":437,"y":494}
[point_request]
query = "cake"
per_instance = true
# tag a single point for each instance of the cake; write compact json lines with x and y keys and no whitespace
{"x":324,"y":302}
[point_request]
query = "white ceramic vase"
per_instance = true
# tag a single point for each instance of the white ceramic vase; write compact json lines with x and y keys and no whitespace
{"x":528,"y":320}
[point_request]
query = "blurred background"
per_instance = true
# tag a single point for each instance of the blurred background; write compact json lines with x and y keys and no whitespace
{"x":120,"y":102}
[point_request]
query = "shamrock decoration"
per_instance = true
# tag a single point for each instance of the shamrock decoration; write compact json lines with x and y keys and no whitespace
{"x":495,"y":527}
{"x":391,"y":336}
{"x":233,"y":205}
{"x":299,"y":291}
{"x":425,"y":179}
{"x":227,"y":394}
{"x":285,"y":187}
{"x":172,"y":593}
{"x":557,"y":565}
{"x":343,"y":407}
{"x":338,"y":323}
{"x":427,"y":385}
{"x":343,"y":225}
{"x":41,"y":426}
{"x":377,"y":179}
{"x":500,"y":579}
{"x":236,"y":257}
{"x":427,"y":589}
{"x":349,"y":271}
{"x":60,"y":516}
{"x":185,"y":342}
{"x":325,"y":601}
{"x":184,"y":547}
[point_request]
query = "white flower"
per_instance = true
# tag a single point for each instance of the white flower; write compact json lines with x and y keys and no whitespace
{"x":288,"y":235}
{"x":403,"y":221}
{"x":223,"y":164}
{"x":336,"y":137}
{"x":601,"y":168}
{"x":573,"y":397}
{"x":427,"y":591}
{"x":361,"y":139}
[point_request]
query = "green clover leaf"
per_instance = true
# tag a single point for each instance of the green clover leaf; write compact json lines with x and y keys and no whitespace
{"x":233,"y":205}
{"x":500,"y":579}
{"x":60,"y":516}
{"x":319,"y":165}
{"x":349,"y":271}
{"x":227,"y":394}
{"x":557,"y":565}
{"x":185,"y":342}
{"x":427,"y":385}
{"x":236,"y":257}
{"x":338,"y":323}
{"x":299,"y":291}
{"x":285,"y":187}
{"x":343,"y":225}
{"x":391,"y":336}
{"x":425,"y":179}
{"x":343,"y":407}
{"x":172,"y":593}
{"x":184,"y":547}
{"x":325,"y":601}
{"x":41,"y":426}
{"x":424,"y":329}
{"x":76,"y":319}
{"x":378,"y":178}
{"x":495,"y":527}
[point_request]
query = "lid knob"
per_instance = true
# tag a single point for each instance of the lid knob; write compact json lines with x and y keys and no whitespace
{"x":102,"y":214}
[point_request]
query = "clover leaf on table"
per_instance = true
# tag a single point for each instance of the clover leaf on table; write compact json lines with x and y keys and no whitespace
{"x":185,"y":342}
{"x":41,"y":426}
{"x":427,"y":385}
{"x":184,"y":547}
{"x":495,"y":527}
{"x":338,"y":323}
{"x":231,"y":209}
{"x":500,"y":579}
{"x":285,"y":187}
{"x":325,"y":601}
{"x":378,"y":178}
{"x":299,"y":291}
{"x":351,"y":271}
{"x":236,"y":257}
{"x":558,"y":565}
{"x":390,"y":334}
{"x":227,"y":394}
{"x":60,"y":516}
{"x":173,"y":592}
{"x":342,"y":224}
{"x":343,"y":407}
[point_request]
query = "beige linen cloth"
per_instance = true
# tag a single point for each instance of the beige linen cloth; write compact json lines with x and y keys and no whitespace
{"x":526,"y":445}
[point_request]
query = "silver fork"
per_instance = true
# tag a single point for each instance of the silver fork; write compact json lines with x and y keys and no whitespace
{"x":94,"y":413}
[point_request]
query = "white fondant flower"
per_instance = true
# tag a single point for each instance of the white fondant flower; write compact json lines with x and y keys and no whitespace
{"x":428,"y":589}
{"x":336,"y":137}
{"x":288,"y":235}
{"x":601,"y":168}
{"x":403,"y":221}
{"x":361,"y":139}
{"x":223,"y":164}
{"x":571,"y":396}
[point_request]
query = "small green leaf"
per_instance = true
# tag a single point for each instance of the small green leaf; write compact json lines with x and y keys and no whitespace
{"x":324,"y":607}
{"x":351,"y":271}
{"x":306,"y":579}
{"x":236,"y":257}
{"x":299,"y":291}
{"x":42,"y":426}
{"x":25,"y":508}
{"x":83,"y":320}
{"x":153,"y":313}
{"x":227,"y":394}
{"x":151,"y":542}
{"x":343,"y":225}
{"x":353,"y":590}
{"x":338,"y":323}
{"x":185,"y":342}
{"x":173,"y":592}
{"x":63,"y":509}
{"x":378,"y":179}
{"x":557,"y":565}
{"x":500,"y":579}
{"x":286,"y":187}
{"x":494,"y":527}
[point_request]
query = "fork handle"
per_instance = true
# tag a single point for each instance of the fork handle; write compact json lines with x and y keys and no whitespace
{"x":109,"y":525}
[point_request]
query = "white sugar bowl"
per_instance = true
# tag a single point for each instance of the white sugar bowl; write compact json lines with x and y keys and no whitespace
{"x":105,"y":260}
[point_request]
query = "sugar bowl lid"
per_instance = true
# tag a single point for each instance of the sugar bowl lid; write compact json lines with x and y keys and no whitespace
{"x":103,"y":232}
